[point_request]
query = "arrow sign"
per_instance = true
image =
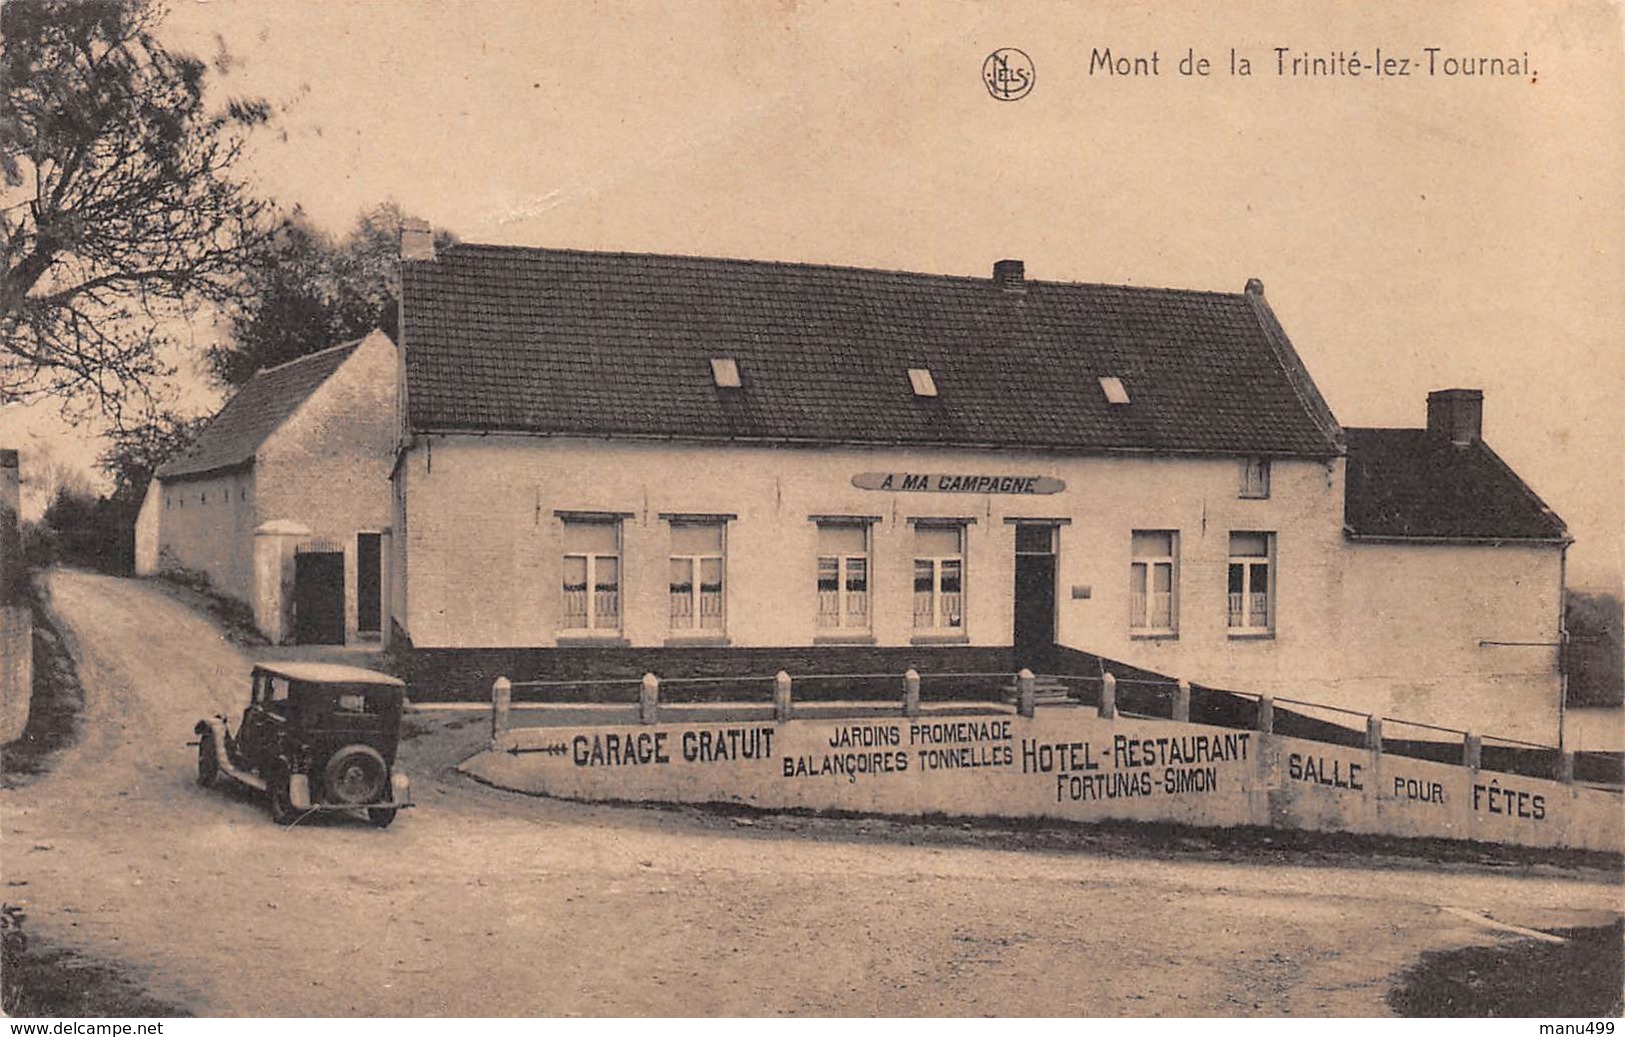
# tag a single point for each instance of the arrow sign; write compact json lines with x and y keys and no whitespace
{"x":556,"y":749}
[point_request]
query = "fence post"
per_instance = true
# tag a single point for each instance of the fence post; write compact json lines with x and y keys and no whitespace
{"x":1025,"y":695}
{"x":649,"y":699}
{"x":501,"y":700}
{"x":781,"y":696}
{"x":1182,"y":702}
{"x":911,"y":693}
{"x":1266,"y":715}
{"x":1565,"y":767}
{"x":1373,"y":733}
{"x":1472,"y":751}
{"x":1108,"y":697}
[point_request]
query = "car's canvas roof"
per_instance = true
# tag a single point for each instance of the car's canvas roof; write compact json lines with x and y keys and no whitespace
{"x":329,"y":673}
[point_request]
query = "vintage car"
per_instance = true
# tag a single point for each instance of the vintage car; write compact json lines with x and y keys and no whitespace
{"x":315,"y":737}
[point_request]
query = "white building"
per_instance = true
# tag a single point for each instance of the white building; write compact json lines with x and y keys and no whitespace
{"x":613,"y":463}
{"x":283,"y":500}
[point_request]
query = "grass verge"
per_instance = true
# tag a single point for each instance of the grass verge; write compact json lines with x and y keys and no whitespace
{"x":38,"y":981}
{"x":195,"y":591}
{"x":1520,"y":979}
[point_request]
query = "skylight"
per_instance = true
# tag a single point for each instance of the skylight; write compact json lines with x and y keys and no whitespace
{"x":924,"y":384}
{"x":725,"y":372}
{"x":1113,"y":388}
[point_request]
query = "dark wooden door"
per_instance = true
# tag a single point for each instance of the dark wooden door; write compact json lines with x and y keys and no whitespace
{"x":369,"y":580}
{"x":318,"y":598}
{"x":1034,"y":595}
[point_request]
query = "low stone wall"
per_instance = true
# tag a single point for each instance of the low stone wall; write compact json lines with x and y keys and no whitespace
{"x":466,"y":674}
{"x":16,"y":670}
{"x":1065,"y":763}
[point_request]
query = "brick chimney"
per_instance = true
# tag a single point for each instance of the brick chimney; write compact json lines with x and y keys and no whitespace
{"x":1457,"y":413}
{"x":1010,"y":275}
{"x":417,"y":241}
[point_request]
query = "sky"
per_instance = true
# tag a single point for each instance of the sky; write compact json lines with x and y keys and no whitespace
{"x":1413,"y":232}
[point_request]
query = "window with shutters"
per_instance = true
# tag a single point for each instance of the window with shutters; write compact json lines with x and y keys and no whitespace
{"x":698,"y":555}
{"x":843,"y":577}
{"x":939,"y":578}
{"x":1252,"y":586}
{"x":1154,"y":582}
{"x":1255,"y":478}
{"x":592,"y":576}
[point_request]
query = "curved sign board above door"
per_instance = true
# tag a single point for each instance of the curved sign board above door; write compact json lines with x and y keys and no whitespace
{"x":934,"y":482}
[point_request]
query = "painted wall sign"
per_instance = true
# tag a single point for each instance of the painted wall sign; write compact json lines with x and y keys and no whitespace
{"x":1064,"y":763}
{"x":932,"y":482}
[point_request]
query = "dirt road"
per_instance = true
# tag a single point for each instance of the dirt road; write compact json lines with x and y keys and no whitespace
{"x":483,"y":903}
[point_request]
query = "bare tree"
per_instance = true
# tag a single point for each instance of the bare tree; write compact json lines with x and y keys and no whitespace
{"x":120,"y":210}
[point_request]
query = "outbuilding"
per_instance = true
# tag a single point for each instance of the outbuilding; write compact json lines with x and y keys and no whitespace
{"x":283,"y":500}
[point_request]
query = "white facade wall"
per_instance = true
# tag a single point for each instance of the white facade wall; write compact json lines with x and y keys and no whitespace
{"x":148,"y":529}
{"x":16,"y":670}
{"x":484,"y":542}
{"x":206,"y":525}
{"x":327,"y":467}
{"x":1413,"y":619}
{"x":1389,"y":629}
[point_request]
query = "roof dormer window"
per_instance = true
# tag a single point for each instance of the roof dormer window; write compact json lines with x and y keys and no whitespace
{"x":920,"y":378}
{"x":725,"y":372}
{"x":1114,"y":390}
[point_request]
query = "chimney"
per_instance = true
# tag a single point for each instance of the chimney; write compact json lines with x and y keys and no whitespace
{"x":1254,"y":287}
{"x":1010,"y":275}
{"x":1457,"y":413}
{"x":417,"y":241}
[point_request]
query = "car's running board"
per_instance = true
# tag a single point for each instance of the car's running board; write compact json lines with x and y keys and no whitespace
{"x":251,"y":780}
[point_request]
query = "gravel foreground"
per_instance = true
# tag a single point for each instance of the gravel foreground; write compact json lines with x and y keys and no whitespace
{"x":486,"y":903}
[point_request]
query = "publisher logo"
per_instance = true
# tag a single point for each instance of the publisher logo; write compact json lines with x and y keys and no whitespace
{"x":1008,"y":74}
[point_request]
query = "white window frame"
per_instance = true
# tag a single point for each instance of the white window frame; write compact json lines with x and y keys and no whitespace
{"x":1141,"y":608}
{"x":1255,"y":478}
{"x":1248,"y":627}
{"x":844,"y":616}
{"x":594,"y":627}
{"x":938,"y":565}
{"x":695,"y":563}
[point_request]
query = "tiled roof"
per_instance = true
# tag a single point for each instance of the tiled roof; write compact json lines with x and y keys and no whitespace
{"x":566,"y":342}
{"x":258,"y":409}
{"x":1406,"y":482}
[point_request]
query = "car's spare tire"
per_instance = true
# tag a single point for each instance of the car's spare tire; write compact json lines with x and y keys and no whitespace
{"x":356,"y":775}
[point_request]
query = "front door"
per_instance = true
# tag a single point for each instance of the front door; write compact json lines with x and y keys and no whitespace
{"x":368,"y":582}
{"x":1035,"y":595}
{"x":318,"y":598}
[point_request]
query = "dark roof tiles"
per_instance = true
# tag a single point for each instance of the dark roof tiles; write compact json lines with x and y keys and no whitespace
{"x":1412,"y":483}
{"x":566,"y":342}
{"x":249,"y":418}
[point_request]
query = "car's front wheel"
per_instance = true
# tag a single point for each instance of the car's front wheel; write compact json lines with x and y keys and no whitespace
{"x":208,"y":764}
{"x":381,"y":817}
